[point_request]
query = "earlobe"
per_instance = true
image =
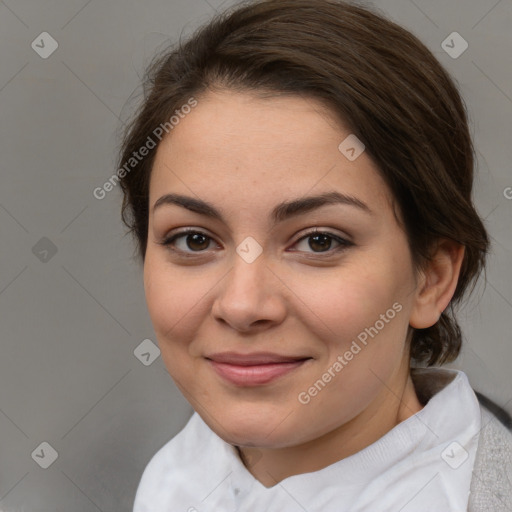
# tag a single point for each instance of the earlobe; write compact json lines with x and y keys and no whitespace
{"x":437,"y":284}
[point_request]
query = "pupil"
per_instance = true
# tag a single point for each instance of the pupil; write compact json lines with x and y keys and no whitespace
{"x":326,"y":241}
{"x":196,"y":238}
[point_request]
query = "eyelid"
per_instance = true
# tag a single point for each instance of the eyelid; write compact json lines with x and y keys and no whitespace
{"x":343,"y":242}
{"x":169,"y":238}
{"x":324,"y":231}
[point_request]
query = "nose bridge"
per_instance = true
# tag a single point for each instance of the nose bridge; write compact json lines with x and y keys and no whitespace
{"x":247,"y":294}
{"x":247,"y":278}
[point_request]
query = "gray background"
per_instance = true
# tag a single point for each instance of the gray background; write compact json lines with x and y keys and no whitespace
{"x":71,"y":321}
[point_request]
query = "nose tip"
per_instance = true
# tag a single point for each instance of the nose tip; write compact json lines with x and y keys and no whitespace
{"x":247,"y":297}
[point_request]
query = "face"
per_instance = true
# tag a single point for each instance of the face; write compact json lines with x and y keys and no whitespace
{"x":279,"y":325}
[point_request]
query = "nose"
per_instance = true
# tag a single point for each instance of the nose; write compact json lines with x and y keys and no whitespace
{"x":250,"y":297}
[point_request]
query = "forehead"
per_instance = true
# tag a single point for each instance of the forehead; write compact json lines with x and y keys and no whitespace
{"x":227,"y":123}
{"x":251,"y":150}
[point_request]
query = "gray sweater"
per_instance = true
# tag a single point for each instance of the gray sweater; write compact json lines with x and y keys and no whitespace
{"x":491,"y":485}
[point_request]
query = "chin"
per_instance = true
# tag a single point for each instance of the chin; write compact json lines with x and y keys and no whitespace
{"x":246,"y":428}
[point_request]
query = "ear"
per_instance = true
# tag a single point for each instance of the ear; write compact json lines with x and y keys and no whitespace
{"x":437,"y":284}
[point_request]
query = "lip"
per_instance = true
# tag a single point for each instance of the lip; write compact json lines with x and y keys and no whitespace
{"x":254,"y":369}
{"x":254,"y":358}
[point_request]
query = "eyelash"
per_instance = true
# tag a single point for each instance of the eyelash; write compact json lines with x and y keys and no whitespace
{"x":168,"y":242}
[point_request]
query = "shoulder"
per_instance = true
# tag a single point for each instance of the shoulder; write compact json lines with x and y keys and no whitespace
{"x":491,"y":484}
{"x":172,"y":464}
{"x":184,"y":446}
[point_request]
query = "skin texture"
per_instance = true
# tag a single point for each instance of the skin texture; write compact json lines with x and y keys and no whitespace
{"x":245,"y":154}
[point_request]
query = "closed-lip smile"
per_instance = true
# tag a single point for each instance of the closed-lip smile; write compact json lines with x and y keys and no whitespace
{"x":253,"y":369}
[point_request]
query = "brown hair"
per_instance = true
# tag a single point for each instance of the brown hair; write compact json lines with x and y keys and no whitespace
{"x":382,"y":83}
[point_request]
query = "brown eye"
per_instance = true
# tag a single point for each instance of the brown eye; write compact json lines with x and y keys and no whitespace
{"x":321,"y":242}
{"x":188,"y":242}
{"x":197,"y":241}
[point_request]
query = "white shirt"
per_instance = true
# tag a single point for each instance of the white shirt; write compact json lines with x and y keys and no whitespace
{"x":424,"y":464}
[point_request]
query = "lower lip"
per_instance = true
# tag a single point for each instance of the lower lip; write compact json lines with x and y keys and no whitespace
{"x":256,"y":375}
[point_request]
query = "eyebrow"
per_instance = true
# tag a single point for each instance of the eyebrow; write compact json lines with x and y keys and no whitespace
{"x":280,"y":212}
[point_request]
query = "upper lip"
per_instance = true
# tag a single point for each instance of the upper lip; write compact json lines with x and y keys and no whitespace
{"x":253,"y":359}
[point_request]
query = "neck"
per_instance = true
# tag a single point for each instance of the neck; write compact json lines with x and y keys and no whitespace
{"x":388,"y":409}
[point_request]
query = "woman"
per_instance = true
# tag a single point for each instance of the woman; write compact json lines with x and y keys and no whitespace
{"x":298,"y":180}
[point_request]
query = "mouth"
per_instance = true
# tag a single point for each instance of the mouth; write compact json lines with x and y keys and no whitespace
{"x":254,"y":369}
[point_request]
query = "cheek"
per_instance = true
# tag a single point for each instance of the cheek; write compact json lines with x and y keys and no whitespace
{"x":342,"y":304}
{"x":360,"y":314}
{"x":176,"y":303}
{"x":348,"y":322}
{"x":174,"y":300}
